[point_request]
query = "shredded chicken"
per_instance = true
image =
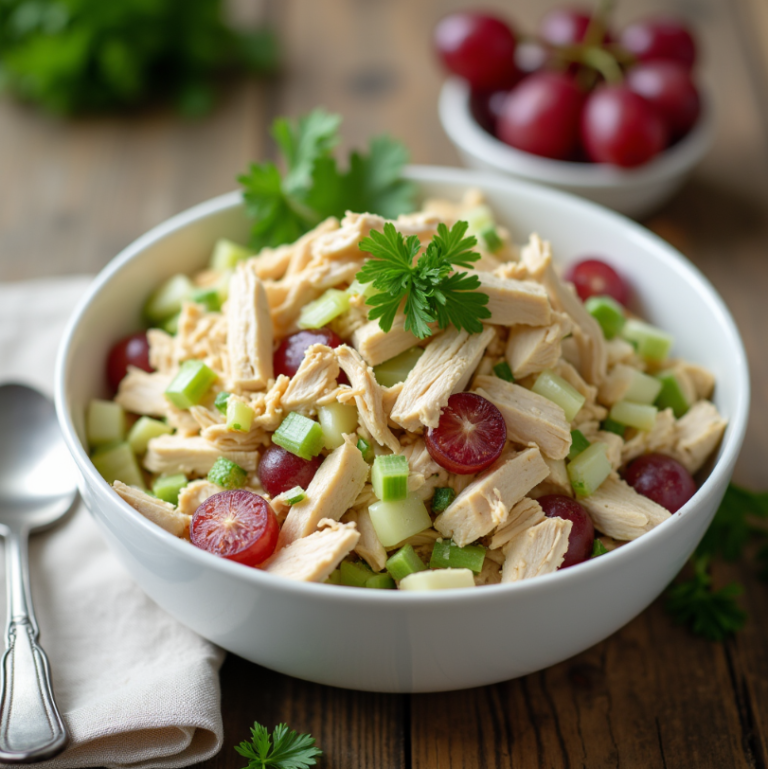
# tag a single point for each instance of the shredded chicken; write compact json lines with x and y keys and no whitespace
{"x":194,"y":494}
{"x":368,"y":546}
{"x":531,"y":350}
{"x":143,"y":393}
{"x":191,"y":455}
{"x":557,"y":482}
{"x":377,"y":346}
{"x":515,"y":302}
{"x":537,"y":550}
{"x":314,"y":381}
{"x":699,"y":432}
{"x":526,"y":513}
{"x":161,"y":513}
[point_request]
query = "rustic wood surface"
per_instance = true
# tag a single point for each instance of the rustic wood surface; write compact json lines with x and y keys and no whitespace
{"x":74,"y":193}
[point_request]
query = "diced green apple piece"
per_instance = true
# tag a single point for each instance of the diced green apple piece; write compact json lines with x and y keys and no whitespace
{"x":439,"y":579}
{"x":167,"y":487}
{"x":588,"y":470}
{"x":142,"y":432}
{"x":389,"y":477}
{"x":168,"y":298}
{"x":396,"y":521}
{"x":191,"y":384}
{"x":642,"y":388}
{"x":226,"y":254}
{"x":104,"y":423}
{"x":323,"y":310}
{"x":639,"y":415}
{"x":671,"y":395}
{"x":555,"y":388}
{"x":652,"y":343}
{"x":336,"y":421}
{"x":118,"y":463}
{"x":404,"y":562}
{"x":396,"y":370}
{"x":300,"y":435}
{"x":239,"y":415}
{"x":491,"y":239}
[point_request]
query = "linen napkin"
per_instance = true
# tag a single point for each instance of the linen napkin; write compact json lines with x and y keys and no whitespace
{"x":134,"y":687}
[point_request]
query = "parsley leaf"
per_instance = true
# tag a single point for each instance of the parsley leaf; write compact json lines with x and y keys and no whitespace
{"x":429,"y":290}
{"x":286,"y":749}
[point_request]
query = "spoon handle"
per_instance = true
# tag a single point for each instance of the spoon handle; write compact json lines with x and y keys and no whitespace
{"x":31,"y":728}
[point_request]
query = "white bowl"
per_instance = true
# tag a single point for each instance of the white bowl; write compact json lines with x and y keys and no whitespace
{"x":391,"y":641}
{"x":635,"y":192}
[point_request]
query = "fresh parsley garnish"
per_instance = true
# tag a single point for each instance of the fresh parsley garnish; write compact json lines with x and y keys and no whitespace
{"x":429,"y":290}
{"x":285,"y":750}
{"x":284,"y":207}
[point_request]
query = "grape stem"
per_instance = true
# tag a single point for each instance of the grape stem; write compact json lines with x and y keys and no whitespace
{"x":604,"y":62}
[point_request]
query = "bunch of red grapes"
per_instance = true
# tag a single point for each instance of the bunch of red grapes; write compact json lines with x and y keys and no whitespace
{"x":578,"y":92}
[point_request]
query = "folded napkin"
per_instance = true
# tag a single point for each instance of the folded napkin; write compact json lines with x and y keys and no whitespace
{"x":135,"y":688}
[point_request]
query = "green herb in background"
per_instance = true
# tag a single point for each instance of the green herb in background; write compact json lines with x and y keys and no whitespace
{"x":73,"y":56}
{"x":285,"y":206}
{"x":286,"y":749}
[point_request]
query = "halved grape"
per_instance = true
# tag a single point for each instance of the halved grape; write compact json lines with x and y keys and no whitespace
{"x":582,"y":537}
{"x":279,"y":470}
{"x":131,"y":350}
{"x":290,"y":353}
{"x":593,"y":277}
{"x":662,"y":479}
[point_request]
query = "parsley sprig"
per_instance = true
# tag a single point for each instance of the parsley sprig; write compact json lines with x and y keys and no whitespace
{"x":285,"y":750}
{"x":429,"y":290}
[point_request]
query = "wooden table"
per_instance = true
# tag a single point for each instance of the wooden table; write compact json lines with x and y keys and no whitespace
{"x":74,"y":193}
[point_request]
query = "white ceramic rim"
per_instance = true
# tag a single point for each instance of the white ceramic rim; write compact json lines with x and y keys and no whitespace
{"x":465,"y":132}
{"x":427,"y":174}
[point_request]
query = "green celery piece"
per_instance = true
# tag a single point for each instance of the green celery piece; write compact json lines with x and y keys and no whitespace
{"x":554,"y":388}
{"x":642,"y":388}
{"x":671,"y":395}
{"x":439,"y":579}
{"x":608,"y":313}
{"x":221,"y":402}
{"x":442,"y":498}
{"x":294,"y":496}
{"x":404,"y":562}
{"x":208,"y":297}
{"x":355,"y":573}
{"x":334,"y":578}
{"x":394,"y":522}
{"x":239,"y":416}
{"x":300,"y":435}
{"x":503,"y":371}
{"x":589,"y":469}
{"x":578,"y":444}
{"x":598,"y":549}
{"x":168,"y":298}
{"x":104,"y":423}
{"x":323,"y":310}
{"x":191,"y":384}
{"x":448,"y":555}
{"x":478,"y":219}
{"x":171,"y":326}
{"x":492,"y":240}
{"x":396,"y":370}
{"x":639,"y":415}
{"x":227,"y":254}
{"x":356,"y":288}
{"x":389,"y":477}
{"x":365,"y":449}
{"x":337,"y":420}
{"x":167,"y":487}
{"x":142,"y":432}
{"x":227,"y":474}
{"x":652,"y":343}
{"x":381,"y":582}
{"x":118,"y":463}
{"x":611,"y":426}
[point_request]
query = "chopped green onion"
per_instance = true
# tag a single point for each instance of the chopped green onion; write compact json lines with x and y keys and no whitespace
{"x":227,"y":254}
{"x":492,"y":240}
{"x":295,"y":495}
{"x":440,"y":579}
{"x":555,"y":388}
{"x":355,"y":573}
{"x":365,"y":449}
{"x":503,"y":371}
{"x":589,"y":469}
{"x":142,"y":432}
{"x":336,"y":421}
{"x":167,"y":487}
{"x":334,"y":578}
{"x":323,"y":310}
{"x":191,"y":384}
{"x":578,"y":444}
{"x":104,"y":423}
{"x":608,"y":313}
{"x":652,"y":343}
{"x":118,"y":463}
{"x":442,"y":498}
{"x":396,"y":521}
{"x":396,"y":370}
{"x":239,"y":416}
{"x":171,"y":326}
{"x":381,"y":582}
{"x":168,"y":298}
{"x":389,"y":477}
{"x":598,"y":549}
{"x":611,"y":426}
{"x":448,"y":555}
{"x":208,"y":297}
{"x":221,"y":402}
{"x":404,"y":562}
{"x":227,"y":474}
{"x":639,"y":415}
{"x":300,"y":435}
{"x":642,"y":388}
{"x":672,"y":395}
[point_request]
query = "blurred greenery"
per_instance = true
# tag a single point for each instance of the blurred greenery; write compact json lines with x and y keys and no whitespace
{"x":74,"y":56}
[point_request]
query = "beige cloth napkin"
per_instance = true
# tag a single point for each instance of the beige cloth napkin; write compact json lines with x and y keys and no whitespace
{"x":135,"y":688}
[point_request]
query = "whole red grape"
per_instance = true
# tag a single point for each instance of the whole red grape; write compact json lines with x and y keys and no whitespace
{"x":660,"y":38}
{"x":566,"y":26}
{"x":486,"y":107}
{"x":662,"y":479}
{"x":131,"y":350}
{"x":279,"y":470}
{"x":581,"y":540}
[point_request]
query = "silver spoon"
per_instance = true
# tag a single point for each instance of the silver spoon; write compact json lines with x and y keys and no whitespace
{"x":37,"y":487}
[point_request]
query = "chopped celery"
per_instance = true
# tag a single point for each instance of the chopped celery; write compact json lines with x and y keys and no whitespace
{"x":171,"y":326}
{"x":555,"y":388}
{"x":337,"y":420}
{"x":396,"y":521}
{"x":671,"y":395}
{"x":652,"y":343}
{"x":478,"y":218}
{"x":404,"y":562}
{"x":608,"y":313}
{"x":442,"y":498}
{"x":323,"y":310}
{"x":167,"y":487}
{"x":299,"y":435}
{"x":381,"y":582}
{"x":642,"y":388}
{"x":221,"y":402}
{"x":492,"y":240}
{"x":611,"y":426}
{"x":222,"y":285}
{"x":118,"y":463}
{"x":578,"y":444}
{"x":142,"y":432}
{"x":361,"y":289}
{"x":227,"y":474}
{"x":239,"y":416}
{"x":439,"y":579}
{"x":396,"y":370}
{"x":598,"y":548}
{"x":589,"y":469}
{"x":191,"y":384}
{"x":227,"y":254}
{"x":365,"y":449}
{"x":639,"y":415}
{"x":208,"y":297}
{"x":503,"y":371}
{"x":334,"y":578}
{"x":294,"y":496}
{"x":104,"y":423}
{"x":448,"y":555}
{"x":167,"y":300}
{"x":355,"y":573}
{"x":389,"y":477}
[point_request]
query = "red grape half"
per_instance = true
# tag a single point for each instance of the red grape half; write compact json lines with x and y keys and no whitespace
{"x":279,"y":470}
{"x":593,"y":277}
{"x":290,"y":353}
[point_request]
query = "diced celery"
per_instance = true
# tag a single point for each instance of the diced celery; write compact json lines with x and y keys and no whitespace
{"x":294,"y":496}
{"x":639,"y":415}
{"x":608,"y":313}
{"x":142,"y":432}
{"x":299,"y":435}
{"x":167,"y":300}
{"x":442,"y":498}
{"x":323,"y":310}
{"x":227,"y":254}
{"x":642,"y":388}
{"x":404,"y":562}
{"x":118,"y":463}
{"x":208,"y":297}
{"x":355,"y":573}
{"x":611,"y":426}
{"x":578,"y":444}
{"x":222,"y":285}
{"x":652,"y":343}
{"x":361,"y":289}
{"x":503,"y":371}
{"x":381,"y":582}
{"x":221,"y":402}
{"x":478,"y":218}
{"x":334,"y":578}
{"x":167,"y":487}
{"x":227,"y":474}
{"x":365,"y":449}
{"x":171,"y":326}
{"x":672,"y":395}
{"x":589,"y":469}
{"x":555,"y":388}
{"x":440,"y":579}
{"x":191,"y":384}
{"x":491,"y":239}
{"x":396,"y":370}
{"x":598,"y":548}
{"x":239,"y":415}
{"x":448,"y":555}
{"x":389,"y":477}
{"x":337,"y":420}
{"x":396,"y":521}
{"x":104,"y":423}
